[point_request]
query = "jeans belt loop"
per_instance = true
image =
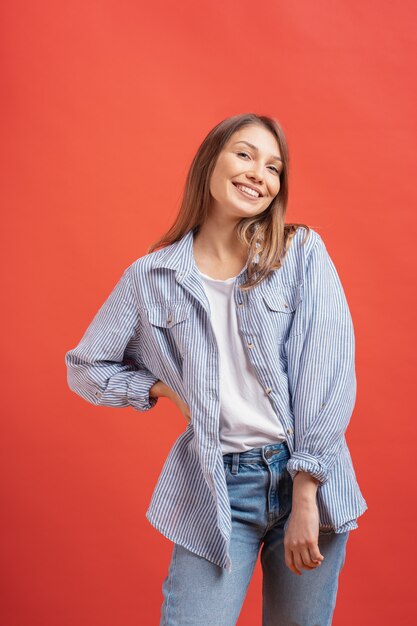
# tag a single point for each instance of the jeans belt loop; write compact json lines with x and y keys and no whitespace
{"x":235,"y":462}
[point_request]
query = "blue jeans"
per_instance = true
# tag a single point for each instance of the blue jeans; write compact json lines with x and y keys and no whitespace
{"x":197,"y":592}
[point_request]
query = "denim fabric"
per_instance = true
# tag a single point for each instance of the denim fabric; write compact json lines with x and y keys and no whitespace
{"x":197,"y":592}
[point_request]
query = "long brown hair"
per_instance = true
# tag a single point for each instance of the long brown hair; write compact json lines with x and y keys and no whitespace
{"x":266,"y":234}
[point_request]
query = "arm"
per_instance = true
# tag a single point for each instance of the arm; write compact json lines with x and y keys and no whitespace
{"x":324,"y":381}
{"x":98,"y":368}
{"x":301,"y":537}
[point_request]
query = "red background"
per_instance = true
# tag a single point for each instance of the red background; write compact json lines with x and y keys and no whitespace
{"x":103,"y":106}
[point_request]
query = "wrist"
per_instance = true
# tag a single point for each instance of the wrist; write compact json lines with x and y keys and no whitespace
{"x":305,"y":487}
{"x":305,"y":478}
{"x":158,"y":390}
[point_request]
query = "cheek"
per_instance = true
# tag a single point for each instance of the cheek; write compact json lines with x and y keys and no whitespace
{"x":274,"y":189}
{"x":216,"y":189}
{"x":221,"y":186}
{"x":218,"y":179}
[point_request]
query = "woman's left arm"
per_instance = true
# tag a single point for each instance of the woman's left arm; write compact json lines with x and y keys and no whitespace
{"x":323,"y":387}
{"x":322,"y":372}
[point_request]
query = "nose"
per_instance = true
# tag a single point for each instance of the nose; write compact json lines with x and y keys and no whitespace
{"x":256,"y":173}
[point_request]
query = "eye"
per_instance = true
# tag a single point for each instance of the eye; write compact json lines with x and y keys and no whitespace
{"x":246,"y":154}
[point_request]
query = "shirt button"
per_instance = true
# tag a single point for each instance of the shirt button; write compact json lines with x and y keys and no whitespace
{"x":250,"y":344}
{"x":169,"y":320}
{"x":290,"y":431}
{"x":240,"y":304}
{"x":98,"y":394}
{"x":268,"y":390}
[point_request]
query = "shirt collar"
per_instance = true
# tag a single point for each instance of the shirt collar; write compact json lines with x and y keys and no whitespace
{"x":179,"y":256}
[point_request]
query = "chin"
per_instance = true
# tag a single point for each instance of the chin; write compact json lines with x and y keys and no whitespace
{"x":239,"y":212}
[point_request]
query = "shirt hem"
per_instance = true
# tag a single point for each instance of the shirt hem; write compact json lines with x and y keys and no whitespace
{"x":169,"y":535}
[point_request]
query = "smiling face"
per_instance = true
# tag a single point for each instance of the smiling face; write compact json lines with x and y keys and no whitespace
{"x":245,"y":178}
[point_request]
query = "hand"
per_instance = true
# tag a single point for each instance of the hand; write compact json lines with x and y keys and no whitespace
{"x":160,"y":389}
{"x":301,"y":537}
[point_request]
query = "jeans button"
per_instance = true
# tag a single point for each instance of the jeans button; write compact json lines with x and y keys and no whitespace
{"x":269,"y":453}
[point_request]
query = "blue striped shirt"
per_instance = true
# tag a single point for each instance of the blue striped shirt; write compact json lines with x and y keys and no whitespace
{"x":297,"y":328}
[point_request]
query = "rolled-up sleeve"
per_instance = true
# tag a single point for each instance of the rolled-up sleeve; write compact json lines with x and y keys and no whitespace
{"x":104,"y":368}
{"x":324,"y":379}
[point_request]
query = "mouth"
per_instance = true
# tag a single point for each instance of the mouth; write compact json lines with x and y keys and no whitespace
{"x":248,"y":191}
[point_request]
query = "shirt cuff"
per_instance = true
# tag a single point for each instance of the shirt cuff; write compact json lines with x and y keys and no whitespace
{"x":303,"y":462}
{"x":138,"y":390}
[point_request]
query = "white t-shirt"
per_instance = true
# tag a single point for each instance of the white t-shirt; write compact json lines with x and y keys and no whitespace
{"x":247,"y":419}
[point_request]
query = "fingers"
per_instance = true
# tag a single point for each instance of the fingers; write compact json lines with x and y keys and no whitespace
{"x":307,"y":561}
{"x":289,"y":561}
{"x":304,"y":556}
{"x":315,"y":554}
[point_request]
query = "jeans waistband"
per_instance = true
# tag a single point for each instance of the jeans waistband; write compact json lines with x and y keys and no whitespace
{"x":269,"y":453}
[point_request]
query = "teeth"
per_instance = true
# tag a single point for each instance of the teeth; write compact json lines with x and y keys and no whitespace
{"x":248,"y":190}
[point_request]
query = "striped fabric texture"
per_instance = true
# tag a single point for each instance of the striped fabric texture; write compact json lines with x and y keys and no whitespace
{"x":298,"y":331}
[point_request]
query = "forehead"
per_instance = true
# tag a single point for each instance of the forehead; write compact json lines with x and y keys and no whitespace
{"x":258,"y":136}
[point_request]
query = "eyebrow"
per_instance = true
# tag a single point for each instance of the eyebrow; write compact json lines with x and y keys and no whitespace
{"x":277,"y":158}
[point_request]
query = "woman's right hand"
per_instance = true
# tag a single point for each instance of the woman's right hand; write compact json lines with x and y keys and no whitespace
{"x":161,"y":390}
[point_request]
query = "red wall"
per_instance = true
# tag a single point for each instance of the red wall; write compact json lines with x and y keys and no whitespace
{"x":103,"y":106}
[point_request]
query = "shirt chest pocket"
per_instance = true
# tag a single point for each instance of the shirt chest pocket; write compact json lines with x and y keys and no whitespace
{"x":279,"y":311}
{"x":169,"y":324}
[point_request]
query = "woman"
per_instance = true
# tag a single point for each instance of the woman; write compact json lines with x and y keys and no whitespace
{"x":243,"y":323}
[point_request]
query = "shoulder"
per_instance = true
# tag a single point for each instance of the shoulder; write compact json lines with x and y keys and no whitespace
{"x":139,"y":276}
{"x":300,"y":245}
{"x":143,"y":264}
{"x":303,"y":241}
{"x":304,"y":248}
